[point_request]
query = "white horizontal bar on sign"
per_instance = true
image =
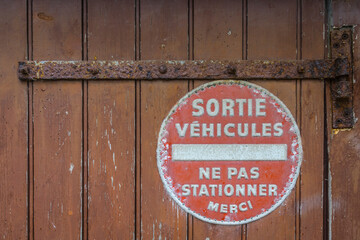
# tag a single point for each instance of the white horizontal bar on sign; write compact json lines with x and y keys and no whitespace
{"x":229,"y":152}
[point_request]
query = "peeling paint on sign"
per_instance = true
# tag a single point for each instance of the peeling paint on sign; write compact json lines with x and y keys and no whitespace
{"x":229,"y":152}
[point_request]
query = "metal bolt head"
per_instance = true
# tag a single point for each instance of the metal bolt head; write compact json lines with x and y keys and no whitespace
{"x":344,"y":36}
{"x":25,"y":70}
{"x":339,"y":121}
{"x":162,"y":69}
{"x":301,"y":69}
{"x":347,"y":113}
{"x":231,"y":69}
{"x":93,"y":70}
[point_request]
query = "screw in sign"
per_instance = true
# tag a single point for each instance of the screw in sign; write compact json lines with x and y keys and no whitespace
{"x":229,"y":152}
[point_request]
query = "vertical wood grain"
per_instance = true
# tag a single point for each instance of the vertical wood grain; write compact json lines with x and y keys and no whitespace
{"x":272,"y":35}
{"x":111,"y":133}
{"x":57,"y":124}
{"x":111,"y":160}
{"x":163,"y":36}
{"x":344,"y":146}
{"x":13,"y":122}
{"x":137,"y":127}
{"x":217,"y":35}
{"x":85,"y":138}
{"x":218,"y":30}
{"x":312,"y":125}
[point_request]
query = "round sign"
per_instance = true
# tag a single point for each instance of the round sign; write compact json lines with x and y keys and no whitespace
{"x":229,"y":152}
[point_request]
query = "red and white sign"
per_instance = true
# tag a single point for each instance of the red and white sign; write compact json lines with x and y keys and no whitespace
{"x":229,"y":152}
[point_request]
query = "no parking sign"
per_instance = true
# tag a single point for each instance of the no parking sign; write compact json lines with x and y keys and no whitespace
{"x":229,"y":152}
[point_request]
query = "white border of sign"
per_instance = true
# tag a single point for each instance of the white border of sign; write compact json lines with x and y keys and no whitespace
{"x":263,"y":91}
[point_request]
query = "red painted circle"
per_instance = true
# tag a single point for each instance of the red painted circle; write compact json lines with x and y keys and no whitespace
{"x":215,"y":169}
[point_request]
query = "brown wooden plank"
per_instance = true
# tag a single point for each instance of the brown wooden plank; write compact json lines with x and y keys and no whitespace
{"x":344,"y":154}
{"x":345,"y":12}
{"x":13,"y":121}
{"x":217,"y":35}
{"x":163,"y":30}
{"x":57,"y":124}
{"x":312,"y":126}
{"x":161,"y":216}
{"x":111,"y":132}
{"x":85,"y":142}
{"x":272,"y":35}
{"x":218,"y":30}
{"x":30,"y":128}
{"x":137,"y":128}
{"x":111,"y":160}
{"x":111,"y":30}
{"x":163,"y":36}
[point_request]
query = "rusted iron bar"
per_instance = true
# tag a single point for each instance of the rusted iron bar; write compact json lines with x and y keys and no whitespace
{"x":156,"y":69}
{"x":338,"y":69}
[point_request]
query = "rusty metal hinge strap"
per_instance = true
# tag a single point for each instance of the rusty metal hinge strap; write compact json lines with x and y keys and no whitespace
{"x":338,"y":69}
{"x":342,"y":86}
{"x":158,"y":69}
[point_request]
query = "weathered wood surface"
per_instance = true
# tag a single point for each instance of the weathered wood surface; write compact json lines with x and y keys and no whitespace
{"x":312,"y":120}
{"x":163,"y":32}
{"x":344,"y":154}
{"x":82,"y":161}
{"x":111,"y":125}
{"x":13,"y":123}
{"x":57,"y":114}
{"x":272,"y":35}
{"x":218,"y":25}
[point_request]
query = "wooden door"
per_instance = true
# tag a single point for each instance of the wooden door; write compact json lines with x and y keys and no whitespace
{"x":78,"y":158}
